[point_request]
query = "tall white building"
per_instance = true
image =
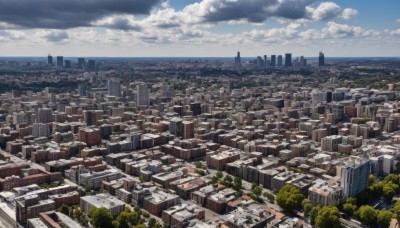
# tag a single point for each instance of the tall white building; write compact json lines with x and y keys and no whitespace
{"x":114,"y":87}
{"x":143,"y":95}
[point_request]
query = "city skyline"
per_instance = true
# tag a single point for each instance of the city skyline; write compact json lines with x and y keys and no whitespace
{"x":205,"y":28}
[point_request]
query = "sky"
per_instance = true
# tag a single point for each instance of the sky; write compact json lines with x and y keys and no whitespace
{"x":199,"y":28}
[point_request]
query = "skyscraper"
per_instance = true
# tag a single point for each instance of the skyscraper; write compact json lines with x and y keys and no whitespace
{"x":238,"y":61}
{"x":288,"y":60}
{"x":81,"y":62}
{"x":280,"y":60}
{"x":265,"y":61}
{"x":82,"y":90}
{"x":91,"y":64}
{"x":60,"y":61}
{"x":143,"y":95}
{"x":114,"y":87}
{"x":273,"y":60}
{"x":50,"y":60}
{"x":321,"y":59}
{"x":67,"y":63}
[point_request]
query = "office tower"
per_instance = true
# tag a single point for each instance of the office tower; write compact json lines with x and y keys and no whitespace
{"x":81,"y":62}
{"x":91,"y":64}
{"x":82,"y":90}
{"x":45,"y":115}
{"x":67,"y":63}
{"x":50,"y":60}
{"x":260,"y":62}
{"x":265,"y":61}
{"x":303,"y":62}
{"x":273,"y":60}
{"x":280,"y":60}
{"x":143,"y":95}
{"x":178,"y":109}
{"x":114,"y":87}
{"x":288,"y":60}
{"x":238,"y":61}
{"x":229,"y":84}
{"x":354,"y":176}
{"x":60,"y":61}
{"x":321,"y":61}
{"x":188,"y":129}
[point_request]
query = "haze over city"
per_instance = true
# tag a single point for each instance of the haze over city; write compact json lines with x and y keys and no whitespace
{"x":207,"y":28}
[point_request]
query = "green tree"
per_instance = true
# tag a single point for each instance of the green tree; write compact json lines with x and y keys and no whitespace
{"x":396,"y":209}
{"x":366,"y":214}
{"x":371,"y":179}
{"x":198,"y":164}
{"x":257,"y":190}
{"x":351,"y":201}
{"x":289,"y":198}
{"x":214,"y":179}
{"x":270,"y":197}
{"x":384,"y":217}
{"x":64,"y":209}
{"x":237,"y":183}
{"x":151,"y":222}
{"x":376,"y":189}
{"x":101,"y":218}
{"x":328,"y":217}
{"x":219,"y":174}
{"x":313,"y":215}
{"x":127,"y":218}
{"x":389,"y":191}
{"x":307,"y":206}
{"x":227,"y":181}
{"x":349,"y":209}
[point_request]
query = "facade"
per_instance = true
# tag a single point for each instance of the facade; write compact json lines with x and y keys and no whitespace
{"x":143,"y":95}
{"x":114,"y":87}
{"x":354,"y":176}
{"x":111,"y":203}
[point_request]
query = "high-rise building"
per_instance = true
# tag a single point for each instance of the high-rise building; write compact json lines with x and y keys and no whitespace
{"x":280,"y":60}
{"x":288,"y":60}
{"x":176,"y":127}
{"x":67,"y":63}
{"x":143,"y":95}
{"x":92,"y":116}
{"x":60,"y":61}
{"x":354,"y":176}
{"x":50,"y":60}
{"x":45,"y":115}
{"x":91,"y":64}
{"x":273,"y":60}
{"x":265,"y":61}
{"x":260,"y":62}
{"x":321,"y":61}
{"x":238,"y":61}
{"x":114,"y":87}
{"x":81,"y":62}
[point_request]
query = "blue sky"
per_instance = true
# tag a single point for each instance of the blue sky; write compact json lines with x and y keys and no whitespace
{"x":199,"y":28}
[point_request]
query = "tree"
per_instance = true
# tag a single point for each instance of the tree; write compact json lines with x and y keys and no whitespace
{"x":257,"y":190}
{"x":214,"y":179}
{"x":349,"y":209}
{"x":127,"y":218}
{"x":313,"y":215}
{"x":237,"y":183}
{"x":384,"y":217}
{"x":389,"y":191}
{"x":151,"y":222}
{"x":396,"y":209}
{"x":198,"y":165}
{"x":64,"y":209}
{"x":101,"y":218}
{"x":270,"y":197}
{"x":366,"y":214}
{"x":219,"y":174}
{"x":371,"y":179}
{"x":329,"y":217}
{"x":227,"y":181}
{"x":376,"y":189}
{"x":351,"y":201}
{"x":289,"y":198}
{"x":307,"y":206}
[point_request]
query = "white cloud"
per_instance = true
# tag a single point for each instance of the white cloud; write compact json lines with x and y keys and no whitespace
{"x":349,"y":13}
{"x":398,"y":21}
{"x":325,"y":11}
{"x":335,"y":30}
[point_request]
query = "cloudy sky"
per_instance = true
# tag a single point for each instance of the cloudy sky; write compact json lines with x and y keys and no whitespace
{"x":199,"y":27}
